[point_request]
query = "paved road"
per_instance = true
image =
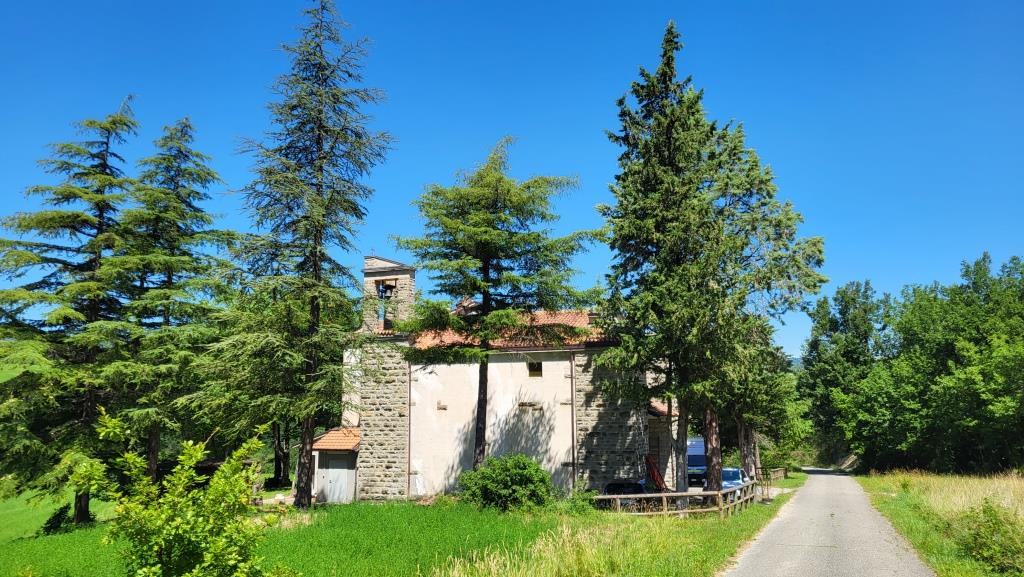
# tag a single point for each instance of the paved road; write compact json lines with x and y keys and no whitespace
{"x":829,"y":529}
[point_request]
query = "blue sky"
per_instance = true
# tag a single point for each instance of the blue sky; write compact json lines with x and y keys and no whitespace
{"x":892,"y":126}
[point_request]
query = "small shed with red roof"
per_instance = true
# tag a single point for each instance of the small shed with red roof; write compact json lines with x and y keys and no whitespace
{"x":334,"y":453}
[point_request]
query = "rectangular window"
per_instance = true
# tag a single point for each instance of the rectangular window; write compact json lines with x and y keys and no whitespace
{"x":535,"y":369}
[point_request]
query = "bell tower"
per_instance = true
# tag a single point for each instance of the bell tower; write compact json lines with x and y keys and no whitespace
{"x":389,"y":290}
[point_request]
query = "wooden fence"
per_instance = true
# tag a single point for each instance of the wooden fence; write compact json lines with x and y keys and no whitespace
{"x":725,"y":502}
{"x":768,"y":478}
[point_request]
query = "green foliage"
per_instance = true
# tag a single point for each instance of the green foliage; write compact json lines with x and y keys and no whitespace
{"x":308,"y":197}
{"x":183,"y":528}
{"x":509,"y":482}
{"x":943,"y":392}
{"x":57,"y":324}
{"x":486,"y":240}
{"x":848,"y":335}
{"x":489,"y":249}
{"x":577,"y":502}
{"x":993,"y":535}
{"x":702,"y":248}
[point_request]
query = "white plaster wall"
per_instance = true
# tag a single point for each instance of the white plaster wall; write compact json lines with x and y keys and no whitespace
{"x":443,"y":401}
{"x":530,"y":415}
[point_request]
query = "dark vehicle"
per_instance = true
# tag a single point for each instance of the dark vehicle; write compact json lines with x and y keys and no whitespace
{"x":624,"y":487}
{"x":696,"y":465}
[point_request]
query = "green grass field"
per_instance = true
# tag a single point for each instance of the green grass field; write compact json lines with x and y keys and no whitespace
{"x":793,"y":480}
{"x":923,"y":506}
{"x":66,"y":555}
{"x":441,"y":540}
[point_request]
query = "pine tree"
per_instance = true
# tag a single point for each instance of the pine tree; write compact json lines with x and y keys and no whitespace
{"x":700,"y":245}
{"x":486,"y":241}
{"x":309,"y":198}
{"x":164,"y":265}
{"x":55,"y":399}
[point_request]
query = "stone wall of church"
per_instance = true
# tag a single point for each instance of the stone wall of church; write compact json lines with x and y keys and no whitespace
{"x":610,"y":433}
{"x":383,"y":462}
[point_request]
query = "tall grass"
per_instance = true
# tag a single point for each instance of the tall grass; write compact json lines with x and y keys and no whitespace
{"x":949,"y":495}
{"x":619,"y":545}
{"x":442,"y":540}
{"x":952,"y":519}
{"x":397,"y":539}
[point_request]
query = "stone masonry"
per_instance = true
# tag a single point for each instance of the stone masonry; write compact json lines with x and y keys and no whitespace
{"x":607,"y":430}
{"x":383,"y":461}
{"x":400,"y":279}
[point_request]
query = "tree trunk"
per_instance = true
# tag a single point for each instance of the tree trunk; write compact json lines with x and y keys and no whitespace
{"x":275,"y":431}
{"x":281,"y":474}
{"x":287,"y":452}
{"x":750,"y":461}
{"x":712,"y":449}
{"x":304,"y":475}
{"x":480,"y":429}
{"x":757,"y":454}
{"x":81,"y":514}
{"x":153,"y":450}
{"x":679,"y":447}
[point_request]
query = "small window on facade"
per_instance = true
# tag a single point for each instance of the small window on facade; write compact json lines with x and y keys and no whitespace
{"x":535,"y":369}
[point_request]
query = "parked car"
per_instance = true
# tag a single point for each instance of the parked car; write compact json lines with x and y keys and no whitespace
{"x":733,"y":477}
{"x":623,"y":487}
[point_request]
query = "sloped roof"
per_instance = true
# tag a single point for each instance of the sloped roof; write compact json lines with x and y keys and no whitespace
{"x":373,"y":263}
{"x":659,"y":408}
{"x":338,"y":439}
{"x":573,"y":319}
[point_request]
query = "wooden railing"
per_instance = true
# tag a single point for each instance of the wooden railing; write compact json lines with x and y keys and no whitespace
{"x":768,"y":477}
{"x":725,"y":502}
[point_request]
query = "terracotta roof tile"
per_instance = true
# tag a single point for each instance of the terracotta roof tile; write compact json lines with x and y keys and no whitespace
{"x":574,"y":319}
{"x":659,"y":408}
{"x":338,"y":439}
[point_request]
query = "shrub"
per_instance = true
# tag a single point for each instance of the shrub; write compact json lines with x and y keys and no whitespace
{"x":993,"y":535}
{"x":510,"y":482}
{"x":577,"y":503}
{"x":182,"y":528}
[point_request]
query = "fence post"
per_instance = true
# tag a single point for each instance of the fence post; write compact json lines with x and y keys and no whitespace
{"x":721,"y":511}
{"x":618,"y":505}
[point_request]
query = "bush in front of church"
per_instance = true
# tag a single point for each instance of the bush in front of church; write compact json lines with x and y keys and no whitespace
{"x":509,"y":482}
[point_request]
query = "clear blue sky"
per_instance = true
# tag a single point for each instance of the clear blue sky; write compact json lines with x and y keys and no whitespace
{"x":894,"y":127}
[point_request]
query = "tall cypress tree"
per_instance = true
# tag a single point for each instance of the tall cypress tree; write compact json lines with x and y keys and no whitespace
{"x":700,"y":244}
{"x":309,"y":196}
{"x":61,"y":252}
{"x":486,"y":240}
{"x":163,"y":263}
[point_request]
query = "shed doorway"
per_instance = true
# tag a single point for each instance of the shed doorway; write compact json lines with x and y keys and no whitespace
{"x":336,"y":477}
